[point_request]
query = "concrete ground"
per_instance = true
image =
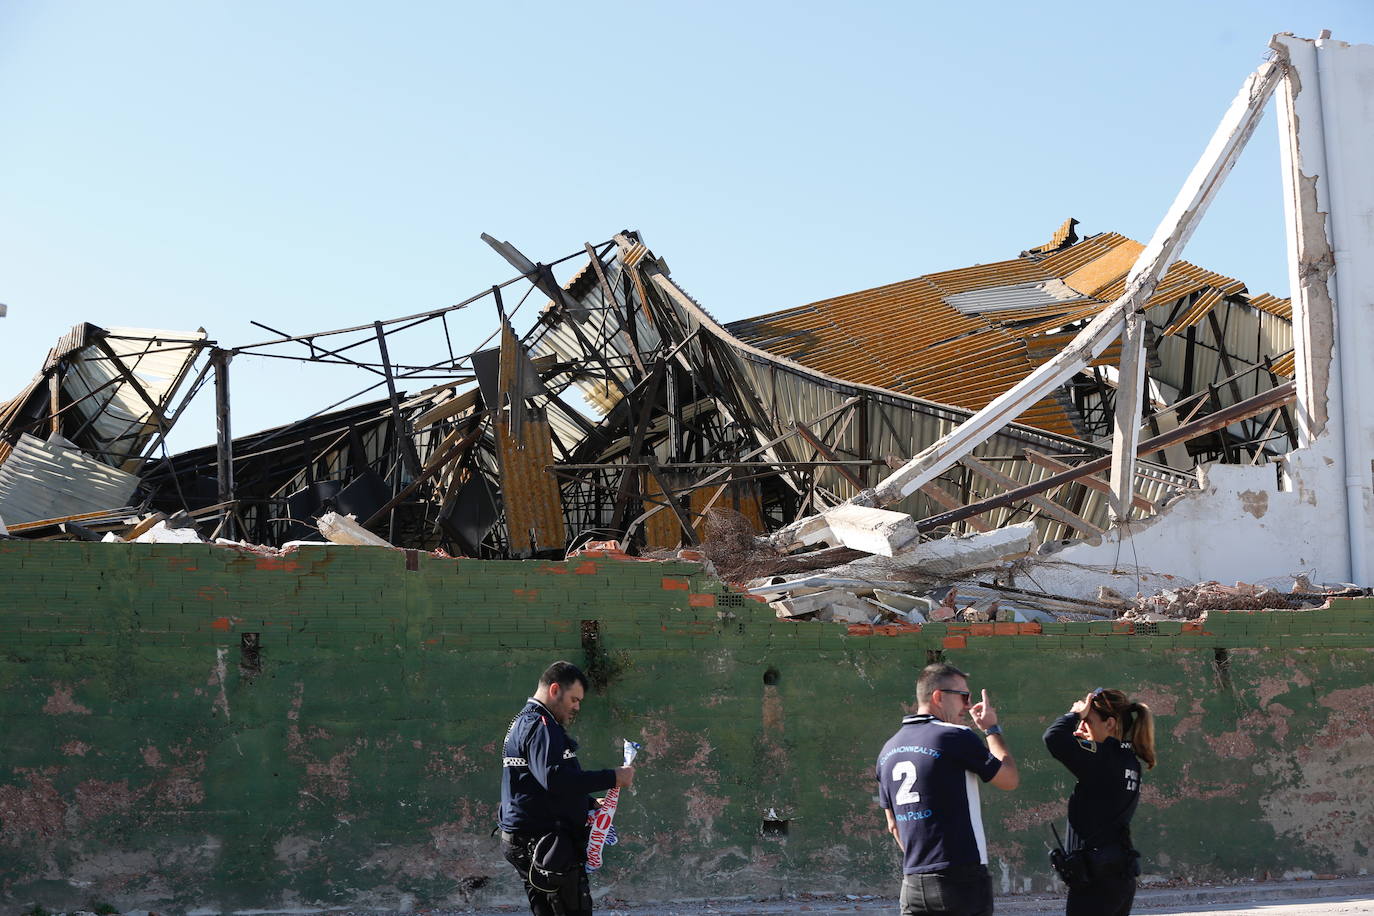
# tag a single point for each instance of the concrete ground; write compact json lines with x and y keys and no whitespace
{"x":1333,"y":897}
{"x":1345,"y":896}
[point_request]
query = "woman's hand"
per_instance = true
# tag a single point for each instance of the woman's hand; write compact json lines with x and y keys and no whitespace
{"x":1081,"y":709}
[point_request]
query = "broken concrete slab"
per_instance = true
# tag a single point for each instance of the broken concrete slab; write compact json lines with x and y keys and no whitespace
{"x":160,"y":533}
{"x":818,"y":582}
{"x":344,"y":529}
{"x":818,"y":602}
{"x":846,"y":612}
{"x":949,"y":556}
{"x":904,"y":603}
{"x":893,"y":613}
{"x":876,"y":531}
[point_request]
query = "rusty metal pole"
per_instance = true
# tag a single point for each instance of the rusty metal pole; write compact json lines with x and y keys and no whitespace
{"x":224,"y":439}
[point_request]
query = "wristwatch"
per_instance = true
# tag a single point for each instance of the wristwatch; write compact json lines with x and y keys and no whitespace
{"x":993,"y":730}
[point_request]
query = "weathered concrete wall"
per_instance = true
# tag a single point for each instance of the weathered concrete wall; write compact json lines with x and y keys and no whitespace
{"x":148,"y":759}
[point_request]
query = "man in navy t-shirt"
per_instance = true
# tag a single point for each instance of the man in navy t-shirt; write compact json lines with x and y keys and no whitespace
{"x":928,"y":776}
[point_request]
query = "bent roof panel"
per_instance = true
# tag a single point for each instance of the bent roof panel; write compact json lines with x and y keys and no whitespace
{"x":962,"y":337}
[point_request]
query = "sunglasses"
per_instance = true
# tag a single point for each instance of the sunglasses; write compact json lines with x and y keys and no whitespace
{"x":962,"y":693}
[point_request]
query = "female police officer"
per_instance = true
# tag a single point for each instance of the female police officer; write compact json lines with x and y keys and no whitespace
{"x":1102,"y":740}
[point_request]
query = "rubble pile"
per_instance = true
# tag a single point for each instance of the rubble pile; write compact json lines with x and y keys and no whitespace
{"x":829,"y":585}
{"x":734,"y":548}
{"x":1192,"y":601}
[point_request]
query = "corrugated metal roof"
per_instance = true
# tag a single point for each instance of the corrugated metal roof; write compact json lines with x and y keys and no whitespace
{"x":119,"y":416}
{"x":1273,"y":305}
{"x":962,"y":337}
{"x":109,"y":418}
{"x":42,"y":480}
{"x":908,"y":364}
{"x":1020,"y":297}
{"x":1064,"y":236}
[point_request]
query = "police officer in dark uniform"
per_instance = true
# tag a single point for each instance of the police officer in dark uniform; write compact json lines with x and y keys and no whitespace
{"x":546,"y":793}
{"x":1102,"y":740}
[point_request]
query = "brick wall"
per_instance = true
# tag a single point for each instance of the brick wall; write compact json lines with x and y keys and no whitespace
{"x":158,"y":755}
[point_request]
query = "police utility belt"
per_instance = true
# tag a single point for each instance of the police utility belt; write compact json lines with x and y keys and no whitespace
{"x":553,"y":857}
{"x":1092,"y":862}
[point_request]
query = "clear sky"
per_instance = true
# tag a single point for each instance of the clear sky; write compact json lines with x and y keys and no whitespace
{"x":319,"y":165}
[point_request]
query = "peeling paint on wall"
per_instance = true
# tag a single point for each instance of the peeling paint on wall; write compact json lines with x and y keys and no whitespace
{"x":359,"y":768}
{"x":61,"y":702}
{"x":1255,"y":502}
{"x":1322,"y":795}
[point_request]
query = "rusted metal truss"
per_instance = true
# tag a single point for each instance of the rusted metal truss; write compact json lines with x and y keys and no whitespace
{"x":626,"y":412}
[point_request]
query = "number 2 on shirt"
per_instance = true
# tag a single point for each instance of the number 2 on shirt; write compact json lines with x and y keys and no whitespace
{"x":905,"y":771}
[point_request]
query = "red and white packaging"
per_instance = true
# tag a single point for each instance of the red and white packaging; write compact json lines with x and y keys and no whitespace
{"x":603,"y":816}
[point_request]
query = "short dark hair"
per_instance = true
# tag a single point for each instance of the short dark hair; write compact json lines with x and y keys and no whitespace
{"x":564,"y":674}
{"x":935,"y":677}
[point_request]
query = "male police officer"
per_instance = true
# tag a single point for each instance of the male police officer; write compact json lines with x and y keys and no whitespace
{"x":929,"y":795}
{"x":544,"y":790}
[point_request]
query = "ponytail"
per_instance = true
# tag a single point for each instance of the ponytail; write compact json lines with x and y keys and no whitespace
{"x":1141,"y":733}
{"x":1134,"y":720}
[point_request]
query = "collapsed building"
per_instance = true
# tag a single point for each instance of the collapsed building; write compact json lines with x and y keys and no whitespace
{"x":628,"y":413}
{"x":963,"y":465}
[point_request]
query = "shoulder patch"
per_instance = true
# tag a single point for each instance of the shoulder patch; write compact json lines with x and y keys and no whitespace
{"x":1088,"y":744}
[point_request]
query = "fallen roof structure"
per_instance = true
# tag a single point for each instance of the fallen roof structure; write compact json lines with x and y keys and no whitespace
{"x":998,"y":393}
{"x":75,"y":440}
{"x":627,"y":412}
{"x":680,"y":414}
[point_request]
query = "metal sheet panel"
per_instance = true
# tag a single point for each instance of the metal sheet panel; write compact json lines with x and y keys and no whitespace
{"x":965,"y":336}
{"x":42,"y":480}
{"x":530,"y":495}
{"x":119,"y":417}
{"x":1018,"y":297}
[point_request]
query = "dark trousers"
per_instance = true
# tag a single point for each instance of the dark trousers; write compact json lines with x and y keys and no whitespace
{"x":1108,"y":895}
{"x":570,"y":896}
{"x":961,"y":891}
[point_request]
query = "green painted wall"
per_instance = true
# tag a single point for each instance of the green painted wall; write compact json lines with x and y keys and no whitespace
{"x":143,"y":763}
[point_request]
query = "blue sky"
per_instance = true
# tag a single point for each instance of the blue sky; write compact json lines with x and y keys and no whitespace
{"x":319,"y":165}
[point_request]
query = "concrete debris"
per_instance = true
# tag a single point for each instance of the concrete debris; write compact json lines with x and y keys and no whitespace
{"x":1110,"y":596}
{"x":958,"y":553}
{"x":901,"y":603}
{"x":842,"y":612}
{"x":148,"y":521}
{"x":982,"y":611}
{"x":810,"y":602}
{"x":163,"y":533}
{"x":875,"y":531}
{"x":1192,"y":601}
{"x":344,"y":529}
{"x":879,"y":588}
{"x":944,"y":613}
{"x":979,"y":598}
